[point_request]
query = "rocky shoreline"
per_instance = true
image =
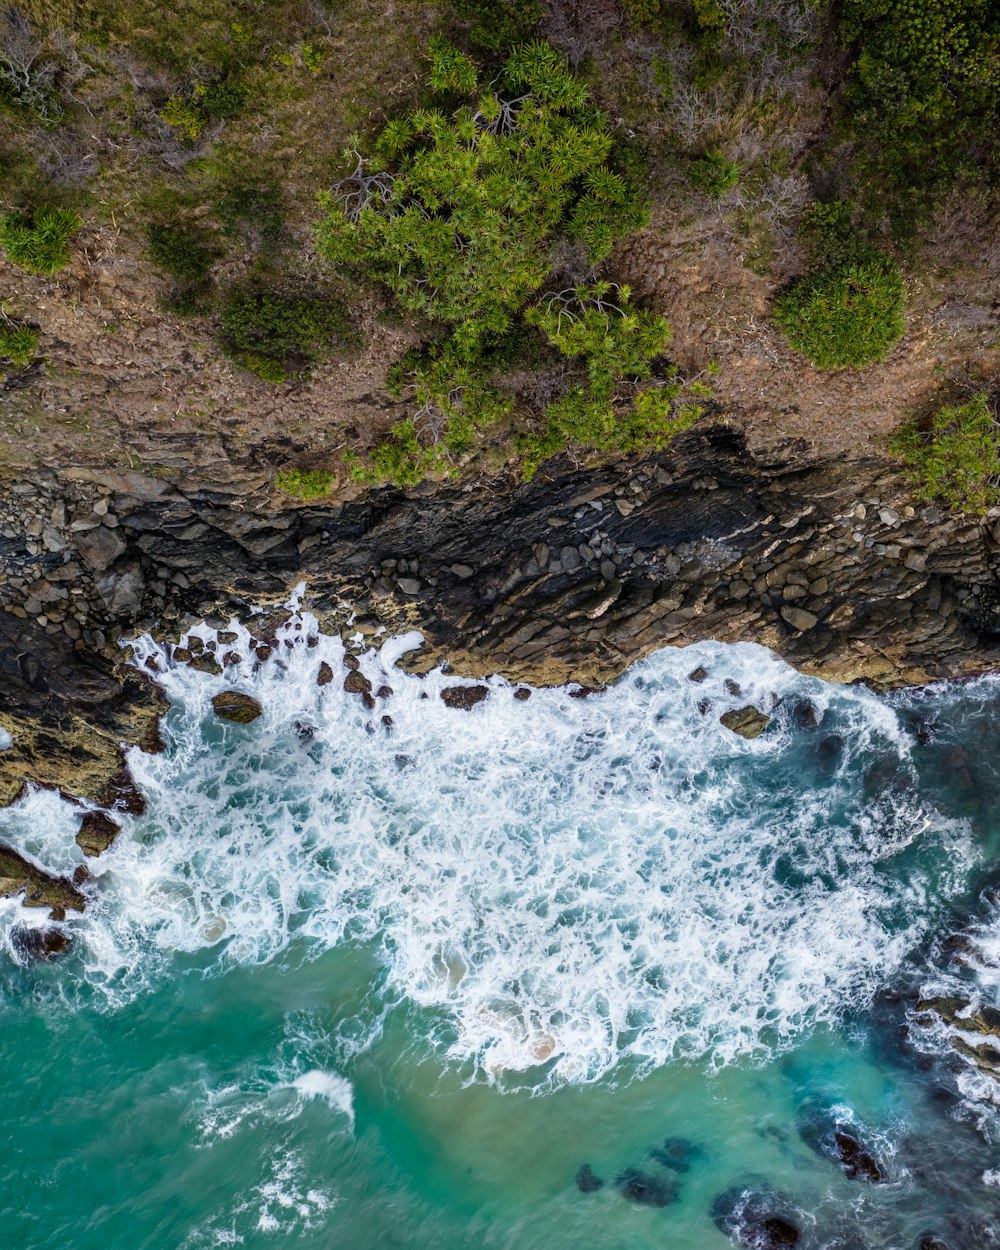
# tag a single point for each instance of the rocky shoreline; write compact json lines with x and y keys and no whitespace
{"x":569,"y":578}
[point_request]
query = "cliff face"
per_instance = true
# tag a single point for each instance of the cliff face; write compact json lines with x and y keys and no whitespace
{"x":571,"y":577}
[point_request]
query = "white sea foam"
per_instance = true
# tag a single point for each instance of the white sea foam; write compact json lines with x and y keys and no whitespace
{"x":563,"y":882}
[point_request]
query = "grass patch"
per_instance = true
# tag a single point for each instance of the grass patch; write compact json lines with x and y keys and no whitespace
{"x":39,"y":241}
{"x":304,"y":483}
{"x":18,"y":342}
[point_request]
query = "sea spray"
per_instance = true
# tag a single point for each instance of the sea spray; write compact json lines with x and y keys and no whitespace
{"x":558,"y":884}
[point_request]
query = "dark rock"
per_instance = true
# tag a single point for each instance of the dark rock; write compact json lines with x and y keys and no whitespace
{"x":388,"y":722}
{"x":733,"y":688}
{"x":756,"y":1219}
{"x":384,"y":692}
{"x":231,"y":659}
{"x":858,"y":1163}
{"x":97,"y":832}
{"x":181,"y":655}
{"x":805,"y":714}
{"x":747,"y":721}
{"x":40,"y":889}
{"x":100,"y":548}
{"x":464,"y":696}
{"x":264,"y":652}
{"x":583,"y":692}
{"x":43,"y":944}
{"x":304,"y":730}
{"x":698,"y":675}
{"x":522,"y":693}
{"x":357,"y":683}
{"x":704,"y":706}
{"x":586,"y":1181}
{"x":325,"y":674}
{"x":932,"y":1243}
{"x":830,"y":1138}
{"x":677,"y":1153}
{"x":233,"y":705}
{"x":646,"y":1190}
{"x":206,"y":664}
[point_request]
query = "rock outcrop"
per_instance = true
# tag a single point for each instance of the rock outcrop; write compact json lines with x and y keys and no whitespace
{"x":570,"y":577}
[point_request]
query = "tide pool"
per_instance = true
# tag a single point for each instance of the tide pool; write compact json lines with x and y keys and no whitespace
{"x":350,"y":983}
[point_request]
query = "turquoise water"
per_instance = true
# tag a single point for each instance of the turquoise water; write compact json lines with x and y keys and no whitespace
{"x":349,"y":984}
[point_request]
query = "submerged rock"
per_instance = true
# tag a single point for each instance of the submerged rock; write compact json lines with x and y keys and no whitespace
{"x":646,"y":1190}
{"x":235,"y":706}
{"x":40,"y":889}
{"x":747,"y":721}
{"x":858,"y":1163}
{"x":828,"y":1135}
{"x":982,"y":1020}
{"x":677,"y":1153}
{"x":756,"y":1219}
{"x":464,"y":696}
{"x":97,"y":832}
{"x":698,"y":674}
{"x":586,"y":1181}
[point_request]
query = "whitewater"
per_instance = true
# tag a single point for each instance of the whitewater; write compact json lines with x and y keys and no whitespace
{"x":429,"y":935}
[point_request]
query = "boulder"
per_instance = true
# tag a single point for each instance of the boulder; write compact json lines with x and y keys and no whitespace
{"x":99,"y":548}
{"x":464,"y":696}
{"x":747,"y":721}
{"x":357,"y":683}
{"x":97,"y":832}
{"x":233,"y":705}
{"x":325,"y":674}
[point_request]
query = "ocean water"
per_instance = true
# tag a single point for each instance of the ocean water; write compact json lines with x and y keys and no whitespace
{"x":554,"y":972}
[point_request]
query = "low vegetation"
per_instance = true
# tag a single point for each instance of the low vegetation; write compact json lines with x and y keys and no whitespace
{"x":274,"y":333}
{"x":487,"y":185}
{"x":954,"y":455}
{"x":39,"y":241}
{"x":18,"y":342}
{"x":304,"y":483}
{"x":848,"y":310}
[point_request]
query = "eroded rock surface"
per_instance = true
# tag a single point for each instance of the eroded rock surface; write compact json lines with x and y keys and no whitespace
{"x":570,"y":577}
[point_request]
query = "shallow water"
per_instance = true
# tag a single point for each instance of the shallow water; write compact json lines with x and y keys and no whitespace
{"x":365,"y":985}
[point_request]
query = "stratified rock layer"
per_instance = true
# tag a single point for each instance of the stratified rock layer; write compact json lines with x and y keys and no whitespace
{"x":571,"y":577}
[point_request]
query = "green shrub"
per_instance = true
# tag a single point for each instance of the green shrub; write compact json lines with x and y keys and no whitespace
{"x":924,"y":100}
{"x":499,"y":24}
{"x":955,"y":455}
{"x":18,"y":342}
{"x":39,"y":241}
{"x":272,"y":332}
{"x":183,"y":251}
{"x":713,"y":174}
{"x":304,"y":483}
{"x":617,"y":344}
{"x":216,"y":101}
{"x":849,"y":309}
{"x":252,"y":213}
{"x":457,"y":213}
